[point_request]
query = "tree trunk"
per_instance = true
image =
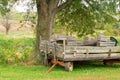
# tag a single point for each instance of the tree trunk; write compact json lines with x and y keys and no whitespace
{"x":44,"y":26}
{"x":46,"y":13}
{"x":6,"y":24}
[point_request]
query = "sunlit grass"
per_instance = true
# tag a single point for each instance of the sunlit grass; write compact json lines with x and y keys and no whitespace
{"x":86,"y":71}
{"x":19,"y":34}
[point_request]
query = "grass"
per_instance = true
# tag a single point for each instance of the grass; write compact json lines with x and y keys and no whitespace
{"x":21,"y":34}
{"x":86,"y":71}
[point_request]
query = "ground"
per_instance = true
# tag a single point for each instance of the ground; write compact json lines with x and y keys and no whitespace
{"x":85,"y":71}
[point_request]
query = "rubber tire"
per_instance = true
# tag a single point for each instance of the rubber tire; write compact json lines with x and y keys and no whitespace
{"x":69,"y":66}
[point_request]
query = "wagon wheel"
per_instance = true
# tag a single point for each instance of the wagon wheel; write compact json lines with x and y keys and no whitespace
{"x":68,"y":66}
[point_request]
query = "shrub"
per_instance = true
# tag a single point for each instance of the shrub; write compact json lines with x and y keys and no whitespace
{"x":15,"y":50}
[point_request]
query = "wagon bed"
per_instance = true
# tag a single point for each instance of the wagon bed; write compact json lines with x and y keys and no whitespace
{"x":81,"y":53}
{"x":68,"y":53}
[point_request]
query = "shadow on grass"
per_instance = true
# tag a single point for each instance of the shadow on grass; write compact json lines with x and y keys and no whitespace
{"x":89,"y":66}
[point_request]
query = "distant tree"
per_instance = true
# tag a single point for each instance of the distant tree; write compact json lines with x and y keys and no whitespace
{"x":6,"y":22}
{"x":5,"y":8}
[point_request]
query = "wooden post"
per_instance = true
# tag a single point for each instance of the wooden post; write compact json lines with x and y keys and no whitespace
{"x":46,"y":50}
{"x":55,"y":51}
{"x":74,"y":53}
{"x":87,"y":53}
{"x":64,"y":48}
{"x":109,"y":53}
{"x":75,"y":49}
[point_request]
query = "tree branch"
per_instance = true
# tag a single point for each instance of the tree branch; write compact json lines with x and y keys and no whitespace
{"x":62,"y":6}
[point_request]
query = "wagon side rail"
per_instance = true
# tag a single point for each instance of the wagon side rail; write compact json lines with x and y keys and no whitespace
{"x":83,"y":52}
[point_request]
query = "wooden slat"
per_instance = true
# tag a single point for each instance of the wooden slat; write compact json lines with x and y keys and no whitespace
{"x":106,"y":44}
{"x":90,"y":58}
{"x":102,"y":38}
{"x":84,"y":49}
{"x":81,"y":57}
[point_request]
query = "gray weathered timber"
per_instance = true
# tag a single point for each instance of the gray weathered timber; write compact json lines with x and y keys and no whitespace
{"x":66,"y":50}
{"x":91,"y":49}
{"x":69,"y":49}
{"x":106,"y":44}
{"x":78,"y":53}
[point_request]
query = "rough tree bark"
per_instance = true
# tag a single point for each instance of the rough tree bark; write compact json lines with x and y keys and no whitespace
{"x":46,"y":10}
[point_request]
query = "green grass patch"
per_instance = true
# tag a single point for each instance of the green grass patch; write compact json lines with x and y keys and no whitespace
{"x":86,"y":71}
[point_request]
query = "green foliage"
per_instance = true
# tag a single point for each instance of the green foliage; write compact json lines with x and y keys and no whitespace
{"x":17,"y":16}
{"x":84,"y":16}
{"x":6,"y":5}
{"x":118,"y":41}
{"x":15,"y":50}
{"x":3,"y":9}
{"x":30,"y":16}
{"x":117,"y":25}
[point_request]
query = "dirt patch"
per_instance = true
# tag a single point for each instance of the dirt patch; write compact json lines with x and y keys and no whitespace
{"x":2,"y":28}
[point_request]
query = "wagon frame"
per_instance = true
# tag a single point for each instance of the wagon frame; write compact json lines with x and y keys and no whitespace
{"x":65,"y":54}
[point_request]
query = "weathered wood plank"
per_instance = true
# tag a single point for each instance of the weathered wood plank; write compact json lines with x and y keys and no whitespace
{"x":102,"y":38}
{"x":90,"y":58}
{"x":91,"y":55}
{"x":90,"y":49}
{"x":81,"y":57}
{"x":106,"y":44}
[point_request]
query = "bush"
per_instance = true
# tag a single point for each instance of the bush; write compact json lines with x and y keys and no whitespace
{"x":15,"y":50}
{"x":118,"y":42}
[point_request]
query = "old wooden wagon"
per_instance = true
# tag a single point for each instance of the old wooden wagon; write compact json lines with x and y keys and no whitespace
{"x":66,"y":50}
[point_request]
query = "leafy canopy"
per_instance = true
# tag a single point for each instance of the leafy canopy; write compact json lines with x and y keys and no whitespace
{"x":6,"y":5}
{"x":83,"y":16}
